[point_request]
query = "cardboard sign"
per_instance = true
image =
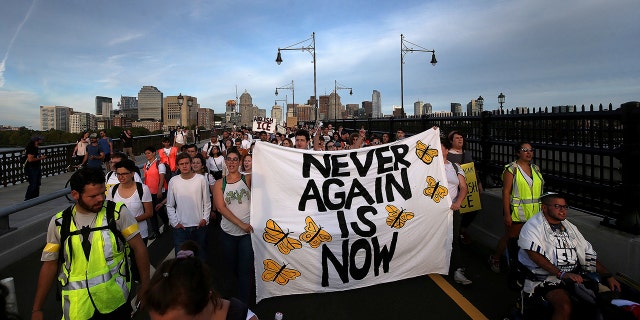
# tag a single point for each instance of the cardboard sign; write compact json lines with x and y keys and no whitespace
{"x":472,"y":201}
{"x":263,"y":124}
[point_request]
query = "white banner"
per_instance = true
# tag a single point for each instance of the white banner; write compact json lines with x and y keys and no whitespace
{"x":339,"y":220}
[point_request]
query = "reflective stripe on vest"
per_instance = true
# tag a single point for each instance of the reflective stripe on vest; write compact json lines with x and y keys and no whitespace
{"x":99,"y":281}
{"x":525,"y":199}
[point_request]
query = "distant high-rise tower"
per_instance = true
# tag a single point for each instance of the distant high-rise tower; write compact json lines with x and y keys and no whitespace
{"x":104,"y":105}
{"x":368,"y":108}
{"x":55,"y":117}
{"x":150,"y":103}
{"x":128,"y":107}
{"x":417,"y":108}
{"x":276,"y":114}
{"x":474,"y":107}
{"x":376,"y":105}
{"x":427,"y":108}
{"x":456,"y":108}
{"x":246,"y":109}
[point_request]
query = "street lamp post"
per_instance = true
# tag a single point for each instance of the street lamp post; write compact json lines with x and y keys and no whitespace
{"x":180,"y":103}
{"x":501,"y":101}
{"x":337,"y":87}
{"x":403,"y":51}
{"x":290,"y":86}
{"x":311,"y":48}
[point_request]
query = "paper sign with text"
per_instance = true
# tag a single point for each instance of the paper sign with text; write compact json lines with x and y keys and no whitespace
{"x":472,"y":201}
{"x":339,"y":220}
{"x":263,"y":124}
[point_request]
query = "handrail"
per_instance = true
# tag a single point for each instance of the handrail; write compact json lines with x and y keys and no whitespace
{"x":7,"y":211}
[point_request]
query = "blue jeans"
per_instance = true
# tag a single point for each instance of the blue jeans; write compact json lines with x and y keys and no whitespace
{"x":34,"y":177}
{"x":238,"y":254}
{"x":199,"y":235}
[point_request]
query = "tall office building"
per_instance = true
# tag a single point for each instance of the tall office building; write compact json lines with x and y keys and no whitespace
{"x":368,"y":108}
{"x":427,"y":108}
{"x":150,"y":101}
{"x":474,"y":107}
{"x":246,"y":109}
{"x":176,"y":114}
{"x":335,"y":107}
{"x":417,"y":108}
{"x":323,"y":111}
{"x":82,"y":121}
{"x":104,"y":105}
{"x":55,"y":117}
{"x":376,"y":105}
{"x":276,"y":114}
{"x":456,"y":108}
{"x":128,"y":107}
{"x":352,"y":110}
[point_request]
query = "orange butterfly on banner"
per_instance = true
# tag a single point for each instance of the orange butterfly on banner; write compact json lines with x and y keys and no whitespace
{"x":397,"y":218}
{"x":313,"y":234}
{"x":274,"y":234}
{"x":435,"y":190}
{"x":424,"y":153}
{"x":274,"y":272}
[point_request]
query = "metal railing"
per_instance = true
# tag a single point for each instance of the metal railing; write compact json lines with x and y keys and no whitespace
{"x":588,"y":155}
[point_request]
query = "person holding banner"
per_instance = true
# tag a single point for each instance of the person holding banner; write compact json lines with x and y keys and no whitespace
{"x":521,"y":191}
{"x":457,"y":187}
{"x":458,"y":155}
{"x":232,"y":198}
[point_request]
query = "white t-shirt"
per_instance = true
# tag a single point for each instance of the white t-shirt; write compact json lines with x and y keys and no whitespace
{"x":215,"y":164}
{"x":135,"y":205}
{"x":194,"y":203}
{"x":180,"y":137}
{"x":452,"y":179}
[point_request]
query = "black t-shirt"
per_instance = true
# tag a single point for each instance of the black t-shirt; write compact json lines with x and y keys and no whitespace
{"x":126,"y":141}
{"x":32,"y":150}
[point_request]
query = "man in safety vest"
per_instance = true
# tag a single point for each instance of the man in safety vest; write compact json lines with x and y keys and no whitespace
{"x":93,"y":269}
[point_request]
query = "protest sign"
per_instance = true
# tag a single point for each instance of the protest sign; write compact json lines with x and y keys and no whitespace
{"x":263,"y":124}
{"x":339,"y":220}
{"x":472,"y":200}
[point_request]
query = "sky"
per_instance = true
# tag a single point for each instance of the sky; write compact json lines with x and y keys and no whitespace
{"x":539,"y":53}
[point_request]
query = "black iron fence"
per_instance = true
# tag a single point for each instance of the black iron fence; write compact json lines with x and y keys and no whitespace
{"x":588,"y":155}
{"x":59,"y":157}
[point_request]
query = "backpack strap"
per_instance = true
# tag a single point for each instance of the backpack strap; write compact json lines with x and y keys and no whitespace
{"x":115,"y":187}
{"x":65,"y":225}
{"x":224,"y":184}
{"x":109,"y":175}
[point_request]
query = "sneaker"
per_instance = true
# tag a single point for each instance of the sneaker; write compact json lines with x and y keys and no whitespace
{"x":460,"y":278}
{"x":494,"y":263}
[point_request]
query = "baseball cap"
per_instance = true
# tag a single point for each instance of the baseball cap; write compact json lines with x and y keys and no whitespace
{"x":93,"y":135}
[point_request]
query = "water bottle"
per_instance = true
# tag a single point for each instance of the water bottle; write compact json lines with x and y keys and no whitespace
{"x":278,"y":316}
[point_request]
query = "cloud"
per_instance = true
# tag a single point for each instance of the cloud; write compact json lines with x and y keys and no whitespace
{"x":125,"y":38}
{"x":13,"y":39}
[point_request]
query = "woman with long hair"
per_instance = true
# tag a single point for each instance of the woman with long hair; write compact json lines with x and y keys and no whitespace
{"x":215,"y":162}
{"x":232,"y":197}
{"x":181,"y":289}
{"x":247,"y":163}
{"x":81,"y":147}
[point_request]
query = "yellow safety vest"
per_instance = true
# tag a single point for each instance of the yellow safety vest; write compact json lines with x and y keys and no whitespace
{"x":103,"y":282}
{"x":525,"y":199}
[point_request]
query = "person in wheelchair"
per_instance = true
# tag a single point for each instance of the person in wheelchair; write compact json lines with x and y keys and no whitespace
{"x":559,"y":258}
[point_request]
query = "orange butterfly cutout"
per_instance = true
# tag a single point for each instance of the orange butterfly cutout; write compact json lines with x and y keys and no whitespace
{"x":274,"y":234}
{"x":397,"y":218}
{"x":424,"y":153}
{"x":274,"y":272}
{"x":435,"y":190}
{"x":314,"y":235}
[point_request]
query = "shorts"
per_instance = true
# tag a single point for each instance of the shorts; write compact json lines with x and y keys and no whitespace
{"x":107,"y":157}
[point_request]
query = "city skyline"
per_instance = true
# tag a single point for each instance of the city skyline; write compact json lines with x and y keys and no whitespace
{"x":538,"y":53}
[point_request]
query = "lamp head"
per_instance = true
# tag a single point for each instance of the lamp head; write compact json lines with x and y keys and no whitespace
{"x":277,"y":89}
{"x":433,"y":58}
{"x":180,"y":99}
{"x":279,"y":58}
{"x":350,"y":91}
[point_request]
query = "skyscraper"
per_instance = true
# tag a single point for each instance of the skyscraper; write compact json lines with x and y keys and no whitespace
{"x":104,"y":105}
{"x":55,"y":117}
{"x":376,"y":105}
{"x":456,"y":108}
{"x":276,"y":114}
{"x":368,"y":108}
{"x":417,"y":108}
{"x":150,"y":103}
{"x":246,"y":109}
